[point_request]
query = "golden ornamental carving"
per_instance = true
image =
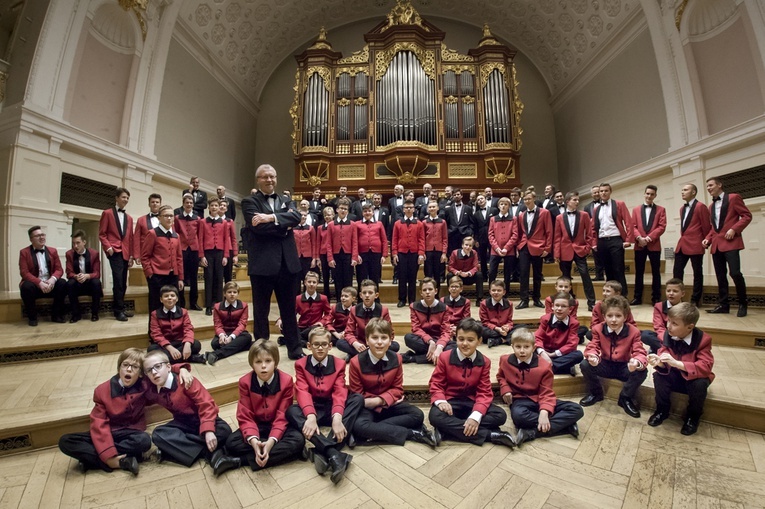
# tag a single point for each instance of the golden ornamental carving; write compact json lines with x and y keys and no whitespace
{"x":405,"y":144}
{"x":360,"y":101}
{"x":450,"y":99}
{"x":294,"y":113}
{"x":488,"y":68}
{"x":314,"y":171}
{"x":357,"y":57}
{"x":343,"y":102}
{"x":404,"y":14}
{"x":353,"y":71}
{"x":468,"y":99}
{"x":138,"y":7}
{"x":321,"y":41}
{"x":500,"y":169}
{"x":488,"y":38}
{"x":457,"y":68}
{"x":679,"y":14}
{"x":316,"y":148}
{"x":517,"y":111}
{"x":324,"y":73}
{"x":450,"y":55}
{"x":407,"y":178}
{"x":427,"y":58}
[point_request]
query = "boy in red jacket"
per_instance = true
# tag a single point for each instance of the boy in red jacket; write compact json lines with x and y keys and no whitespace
{"x":230,"y":321}
{"x":408,"y":248}
{"x":161,"y":257}
{"x":436,"y":239}
{"x":372,"y":246}
{"x":496,"y":314}
{"x":83,"y":276}
{"x":187,"y":225}
{"x":526,"y":385}
{"x":354,"y":340}
{"x":674,"y":291}
{"x":312,"y":308}
{"x":337,"y":320}
{"x":214,"y":252}
{"x":556,"y":337}
{"x":464,"y":263}
{"x":683,"y":364}
{"x":342,"y":246}
{"x":307,"y":246}
{"x":430,"y":329}
{"x":503,"y":236}
{"x":171,"y":331}
{"x":461,"y":395}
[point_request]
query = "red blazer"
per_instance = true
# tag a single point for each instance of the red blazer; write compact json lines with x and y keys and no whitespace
{"x":492,"y":318}
{"x":430,"y":323}
{"x":370,"y":381}
{"x":322,"y":233}
{"x":460,"y":263}
{"x":191,"y":404}
{"x":142,"y":227}
{"x":456,"y":310}
{"x":567,"y":243}
{"x":657,"y":224}
{"x":550,"y":338}
{"x":161,"y":254}
{"x":574,"y":308}
{"x":254,"y":407}
{"x":532,"y":381}
{"x":188,"y":231}
{"x":214,"y":234}
{"x":165,"y":327}
{"x":312,"y":312}
{"x":408,"y":239}
{"x":233,"y":242}
{"x":337,"y":320}
{"x":343,"y":237}
{"x":115,"y":410}
{"x":734,"y":215}
{"x":696,"y":357}
{"x":694,"y":230}
{"x":110,"y":236}
{"x":29,"y":269}
{"x":319,"y":382}
{"x":452,"y":380}
{"x":627,"y":346}
{"x":355,"y":329}
{"x":621,"y":217}
{"x":305,"y":240}
{"x":436,"y":237}
{"x":92,"y":264}
{"x":539,"y":237}
{"x":598,"y":317}
{"x":503,"y":234}
{"x":230,"y":322}
{"x":660,"y":310}
{"x":371,"y":237}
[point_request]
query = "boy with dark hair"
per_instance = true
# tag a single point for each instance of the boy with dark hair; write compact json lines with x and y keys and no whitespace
{"x":556,"y":337}
{"x":115,"y":232}
{"x":436,"y":240}
{"x":496,"y":314}
{"x":170,"y":330}
{"x":83,"y":276}
{"x":464,"y":263}
{"x":187,"y":225}
{"x":312,"y":307}
{"x":408,"y":249}
{"x":372,"y":246}
{"x":230,"y":321}
{"x":342,"y":247}
{"x":161,"y":257}
{"x":354,"y":340}
{"x":430,"y":330}
{"x":337,"y":320}
{"x":457,"y":306}
{"x":214,"y":251}
{"x":503,"y":236}
{"x":145,"y":223}
{"x":674,"y":291}
{"x":233,"y":257}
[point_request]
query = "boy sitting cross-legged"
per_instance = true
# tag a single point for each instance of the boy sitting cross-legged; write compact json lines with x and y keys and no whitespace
{"x":556,"y":337}
{"x":338,"y":317}
{"x":355,"y":340}
{"x":496,"y":314}
{"x":171,"y":330}
{"x":430,"y":329}
{"x":230,"y":320}
{"x":457,"y":306}
{"x":312,"y":307}
{"x":674,"y":291}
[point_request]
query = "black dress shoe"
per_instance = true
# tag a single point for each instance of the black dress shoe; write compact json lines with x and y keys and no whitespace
{"x":351,"y":440}
{"x":425,"y":436}
{"x":94,"y":317}
{"x":280,"y":341}
{"x":58,"y":319}
{"x":121,"y":317}
{"x":82,"y":467}
{"x":636,"y":302}
{"x":75,"y":319}
{"x":128,"y":313}
{"x":211,"y":358}
{"x":629,"y":407}
{"x":158,"y":455}
{"x":221,"y":463}
{"x":208,"y":311}
{"x":339,"y":462}
{"x":320,"y":462}
{"x":573,"y":430}
{"x":719,"y":309}
{"x":522,"y":305}
{"x":401,"y":304}
{"x":196,"y":307}
{"x":33,"y":322}
{"x":741,"y":311}
{"x":525,"y":435}
{"x":295,"y":357}
{"x":590,"y":399}
{"x":395,"y":280}
{"x":538,"y":304}
{"x":690,"y":426}
{"x":502,"y":438}
{"x":657,"y":418}
{"x":590,"y":307}
{"x":407,"y":358}
{"x":198,"y":358}
{"x":492,"y":342}
{"x":130,"y":464}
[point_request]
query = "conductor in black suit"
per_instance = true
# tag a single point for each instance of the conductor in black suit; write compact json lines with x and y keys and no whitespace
{"x":200,"y":197}
{"x":273,"y":263}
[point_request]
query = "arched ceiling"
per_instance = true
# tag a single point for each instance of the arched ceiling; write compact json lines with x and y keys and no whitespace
{"x":249,"y":38}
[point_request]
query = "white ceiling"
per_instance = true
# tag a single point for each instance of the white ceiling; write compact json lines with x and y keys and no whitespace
{"x":249,"y":38}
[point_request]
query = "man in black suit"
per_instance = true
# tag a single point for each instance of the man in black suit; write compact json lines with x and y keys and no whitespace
{"x":316,"y":205}
{"x":341,"y":193}
{"x":446,"y":201}
{"x":421,"y":203}
{"x":556,"y":208}
{"x":380,"y":213}
{"x":458,"y":220}
{"x":273,"y":263}
{"x":600,"y":271}
{"x":231,"y":211}
{"x":200,"y":197}
{"x":356,"y":207}
{"x":492,"y":202}
{"x":481,"y":218}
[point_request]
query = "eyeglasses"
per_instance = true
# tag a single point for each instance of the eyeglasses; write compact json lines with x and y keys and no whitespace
{"x":320,"y":346}
{"x":157,"y":367}
{"x":132,"y":367}
{"x":39,"y":235}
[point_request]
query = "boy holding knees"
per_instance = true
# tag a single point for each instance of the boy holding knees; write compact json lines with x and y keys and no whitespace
{"x":337,"y":320}
{"x":378,"y":375}
{"x":674,"y":291}
{"x":230,"y":321}
{"x":264,"y":439}
{"x":611,"y":288}
{"x":615,"y":352}
{"x":464,"y":263}
{"x":354,"y":340}
{"x":556,"y":337}
{"x":323,"y":400}
{"x":430,"y":329}
{"x":683,"y":364}
{"x":171,"y":331}
{"x":526,"y":385}
{"x":312,"y":307}
{"x":563,"y":284}
{"x":196,"y":431}
{"x":496,"y":315}
{"x":457,"y":306}
{"x":460,"y":391}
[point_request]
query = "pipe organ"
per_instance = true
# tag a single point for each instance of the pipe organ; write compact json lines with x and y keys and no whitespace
{"x":406,"y":109}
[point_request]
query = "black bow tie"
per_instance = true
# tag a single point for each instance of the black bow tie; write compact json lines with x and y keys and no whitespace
{"x":716,"y":199}
{"x":571,"y":213}
{"x":213,"y":221}
{"x":531,"y":211}
{"x":121,"y":210}
{"x":498,"y":306}
{"x":648,"y":206}
{"x":502,"y":218}
{"x":153,"y":215}
{"x":368,"y":222}
{"x":265,"y":390}
{"x":687,"y":205}
{"x":408,"y":221}
{"x":39,"y":251}
{"x":271,"y":196}
{"x":482,"y":209}
{"x":467,"y":363}
{"x":560,"y":325}
{"x":367,"y":313}
{"x":310,"y":300}
{"x":168,"y":234}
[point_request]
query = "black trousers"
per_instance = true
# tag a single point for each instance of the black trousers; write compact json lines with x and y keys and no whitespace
{"x":30,"y":292}
{"x":600,"y":272}
{"x":562,"y":365}
{"x":655,"y":258}
{"x":156,"y":282}
{"x":476,"y":280}
{"x":666,"y":384}
{"x":528,"y":262}
{"x":433,"y":266}
{"x":452,"y":426}
{"x":180,"y":440}
{"x":305,"y":267}
{"x":525,"y":415}
{"x":344,"y":346}
{"x":611,"y":253}
{"x":484,"y":255}
{"x":190,"y":280}
{"x":584,"y":273}
{"x":119,"y":281}
{"x":419,"y":347}
{"x":241,"y":343}
{"x":90,"y":287}
{"x":343,"y":272}
{"x":678,"y":271}
{"x":391,"y":424}
{"x":723,"y":261}
{"x":214,"y":277}
{"x":288,"y":448}
{"x":228,"y":270}
{"x":407,"y":277}
{"x":127,"y":441}
{"x":488,"y":333}
{"x":283,"y":285}
{"x":510,"y":264}
{"x":651,"y":339}
{"x":196,"y":347}
{"x":454,"y":241}
{"x":370,"y":268}
{"x":323,"y":408}
{"x":610,"y":369}
{"x":326,"y":275}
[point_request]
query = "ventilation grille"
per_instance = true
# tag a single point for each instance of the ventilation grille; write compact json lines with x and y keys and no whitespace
{"x":84,"y":192}
{"x":9,"y":444}
{"x":748,"y":183}
{"x":53,"y":353}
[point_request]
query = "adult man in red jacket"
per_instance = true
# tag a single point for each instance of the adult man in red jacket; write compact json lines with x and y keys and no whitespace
{"x":694,"y":227}
{"x":612,"y":233}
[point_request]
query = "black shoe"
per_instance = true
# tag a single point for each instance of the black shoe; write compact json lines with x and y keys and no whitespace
{"x":128,"y":313}
{"x":198,"y":358}
{"x":629,"y":407}
{"x":58,"y":319}
{"x":208,"y":311}
{"x":94,"y":317}
{"x":590,"y":307}
{"x":538,"y":303}
{"x":657,"y":418}
{"x":572,"y":371}
{"x":320,"y":463}
{"x":121,"y":317}
{"x":478,"y":302}
{"x":719,"y":309}
{"x":339,"y":464}
{"x":196,"y":307}
{"x":211,"y":358}
{"x":130,"y":464}
{"x":158,"y":455}
{"x":33,"y":322}
{"x":590,"y":399}
{"x":82,"y":467}
{"x":522,"y":305}
{"x":492,"y":342}
{"x":75,"y":319}
{"x":221,"y":463}
{"x":636,"y":302}
{"x":351,"y":441}
{"x":295,"y":357}
{"x":741,"y":310}
{"x":525,"y":435}
{"x":401,"y":304}
{"x":690,"y":426}
{"x":395,"y":280}
{"x":424,"y":436}
{"x":280,"y":341}
{"x":599,"y":278}
{"x":502,"y":438}
{"x":407,"y":358}
{"x":573,"y":430}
